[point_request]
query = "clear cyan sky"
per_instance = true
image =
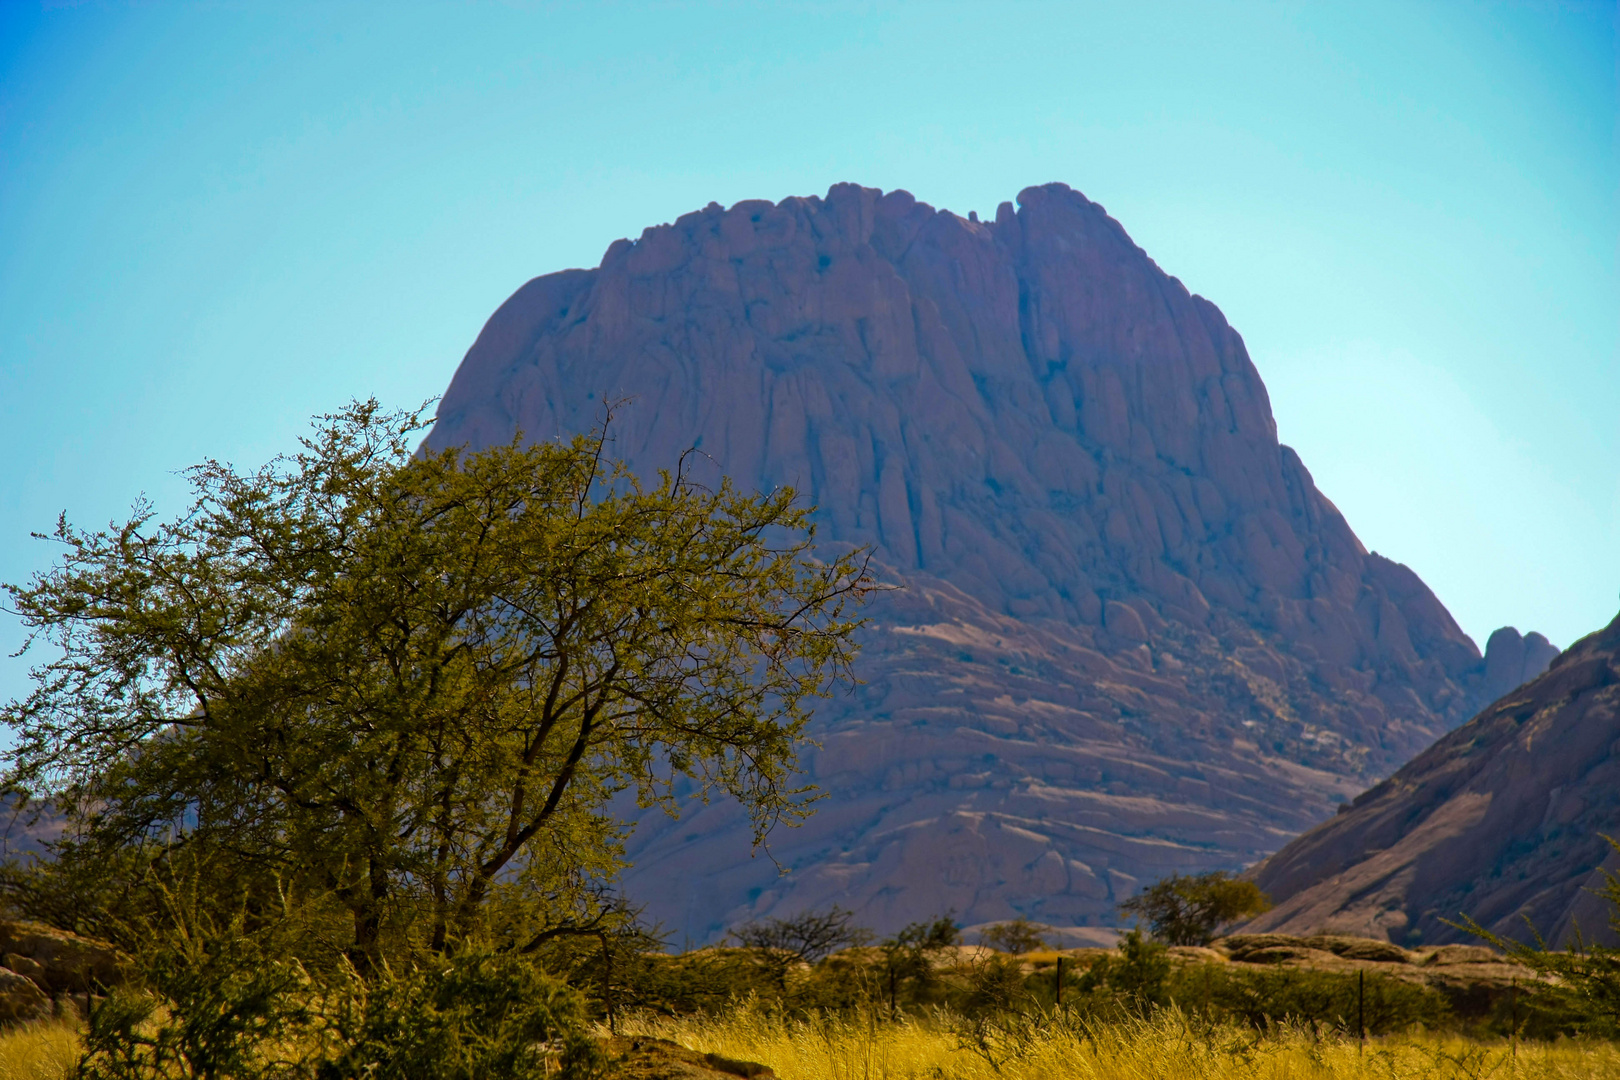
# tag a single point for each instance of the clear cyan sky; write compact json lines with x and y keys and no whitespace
{"x":218,"y":219}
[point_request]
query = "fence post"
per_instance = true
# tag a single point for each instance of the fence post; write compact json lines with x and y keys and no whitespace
{"x":1361,"y":1009}
{"x":607,"y":980}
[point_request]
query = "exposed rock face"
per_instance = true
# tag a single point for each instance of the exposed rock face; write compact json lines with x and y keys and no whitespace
{"x":59,"y":961}
{"x":47,"y":970}
{"x":1474,"y":980}
{"x":1511,"y":660}
{"x":1502,"y":817}
{"x":1134,"y":639}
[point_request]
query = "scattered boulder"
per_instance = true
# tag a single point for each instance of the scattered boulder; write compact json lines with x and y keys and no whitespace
{"x":1351,"y":948}
{"x":753,"y":1070}
{"x":21,"y":999}
{"x":1240,"y":947}
{"x":23,"y":965}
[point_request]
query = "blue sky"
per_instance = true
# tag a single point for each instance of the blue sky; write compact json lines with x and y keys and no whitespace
{"x":218,"y":219}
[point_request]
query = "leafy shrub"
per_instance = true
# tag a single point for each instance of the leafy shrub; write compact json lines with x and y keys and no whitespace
{"x":701,"y":981}
{"x":1189,"y":910}
{"x":1134,"y":981}
{"x":1342,"y":1001}
{"x":478,"y":1015}
{"x":1018,"y":936}
{"x":908,"y":957}
{"x":229,"y":1010}
{"x":806,"y":937}
{"x":1584,"y":994}
{"x":223,"y":1009}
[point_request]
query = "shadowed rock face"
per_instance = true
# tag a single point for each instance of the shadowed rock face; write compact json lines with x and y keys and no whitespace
{"x":1511,"y":660}
{"x":1134,"y":638}
{"x":1501,"y":818}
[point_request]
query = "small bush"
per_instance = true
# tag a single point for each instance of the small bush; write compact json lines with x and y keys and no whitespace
{"x":478,"y":1015}
{"x":1018,"y":936}
{"x":1133,"y":982}
{"x":1347,"y":1002}
{"x":230,"y":1011}
{"x":220,"y":1010}
{"x":1584,"y":997}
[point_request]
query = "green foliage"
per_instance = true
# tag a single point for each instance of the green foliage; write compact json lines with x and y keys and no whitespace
{"x":400,"y":688}
{"x":473,"y":1016}
{"x":229,"y":1010}
{"x":995,"y":984}
{"x":909,"y":956}
{"x":1134,"y":981}
{"x":701,"y":981}
{"x":1018,"y":936}
{"x":1189,"y":910}
{"x":1343,"y":1001}
{"x":1582,"y":994}
{"x":220,"y":1005}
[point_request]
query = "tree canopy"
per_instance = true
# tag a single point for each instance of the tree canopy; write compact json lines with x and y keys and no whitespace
{"x":1188,"y":910}
{"x":401,"y":687}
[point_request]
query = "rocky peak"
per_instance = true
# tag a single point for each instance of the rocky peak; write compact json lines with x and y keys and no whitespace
{"x":1511,"y":660}
{"x":1127,"y":604}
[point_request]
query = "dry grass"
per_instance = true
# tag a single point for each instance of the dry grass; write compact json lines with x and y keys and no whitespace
{"x":44,"y":1051}
{"x":928,"y":1049}
{"x":1167,"y":1047}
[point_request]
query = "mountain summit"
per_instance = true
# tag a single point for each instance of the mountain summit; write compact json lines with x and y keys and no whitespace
{"x":1134,"y":638}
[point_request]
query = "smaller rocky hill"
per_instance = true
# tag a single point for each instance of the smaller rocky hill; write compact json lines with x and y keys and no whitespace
{"x":1504,"y":817}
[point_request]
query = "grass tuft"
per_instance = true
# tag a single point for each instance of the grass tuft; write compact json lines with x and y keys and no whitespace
{"x":47,"y":1050}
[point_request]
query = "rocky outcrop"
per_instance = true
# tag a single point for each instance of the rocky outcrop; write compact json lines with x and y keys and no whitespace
{"x":1502,"y":819}
{"x":47,"y":971}
{"x":1511,"y":660}
{"x":59,"y":961}
{"x":1134,"y":638}
{"x":646,"y":1057}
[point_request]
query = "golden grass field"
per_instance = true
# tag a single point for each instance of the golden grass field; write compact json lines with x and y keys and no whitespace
{"x":1167,"y":1047}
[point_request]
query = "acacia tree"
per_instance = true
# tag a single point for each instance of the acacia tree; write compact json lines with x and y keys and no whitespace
{"x":407,"y":684}
{"x":1189,"y":910}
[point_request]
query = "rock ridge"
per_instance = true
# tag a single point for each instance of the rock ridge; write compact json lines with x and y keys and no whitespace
{"x":1502,"y":819}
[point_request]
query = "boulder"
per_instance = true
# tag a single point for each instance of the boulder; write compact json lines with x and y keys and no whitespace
{"x":1448,"y":955}
{"x":21,"y":999}
{"x":65,"y":962}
